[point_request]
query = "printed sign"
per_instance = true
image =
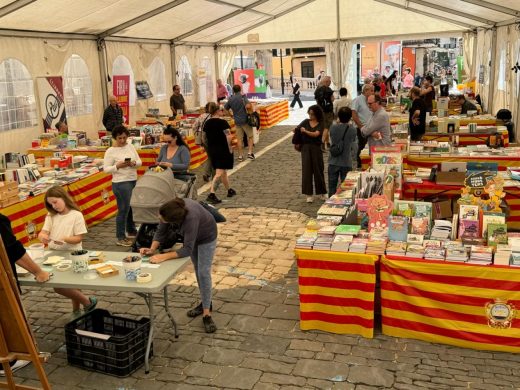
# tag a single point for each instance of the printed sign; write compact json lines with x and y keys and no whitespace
{"x":370,"y":52}
{"x":390,"y":57}
{"x":121,"y":90}
{"x":52,"y":106}
{"x":253,"y":81}
{"x":143,"y":90}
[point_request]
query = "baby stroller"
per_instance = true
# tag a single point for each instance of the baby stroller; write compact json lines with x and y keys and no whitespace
{"x":153,"y":190}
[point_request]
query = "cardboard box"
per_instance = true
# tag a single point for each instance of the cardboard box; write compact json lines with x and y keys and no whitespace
{"x":441,"y":208}
{"x":450,"y":178}
{"x":10,"y":201}
{"x":9,"y":193}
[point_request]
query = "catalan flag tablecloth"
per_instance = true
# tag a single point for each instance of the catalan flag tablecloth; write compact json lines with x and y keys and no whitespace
{"x":465,"y":305}
{"x":273,"y":114}
{"x":466,"y":139}
{"x":337,"y":291}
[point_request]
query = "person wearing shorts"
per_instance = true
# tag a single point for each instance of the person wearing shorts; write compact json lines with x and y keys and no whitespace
{"x":237,"y":104}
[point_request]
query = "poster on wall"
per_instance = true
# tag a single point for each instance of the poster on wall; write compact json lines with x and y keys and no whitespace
{"x":390,"y":57}
{"x":370,"y":54}
{"x":253,"y":82}
{"x":52,"y":106}
{"x":121,"y":90}
{"x":408,"y":60}
{"x":143,"y":90}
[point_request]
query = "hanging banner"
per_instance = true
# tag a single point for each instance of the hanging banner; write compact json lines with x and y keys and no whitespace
{"x":253,"y":82}
{"x":390,"y":57}
{"x":121,"y":90}
{"x":370,"y":55}
{"x":143,"y":90}
{"x":408,"y":60}
{"x":52,"y":106}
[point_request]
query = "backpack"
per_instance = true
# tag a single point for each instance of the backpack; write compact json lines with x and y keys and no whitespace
{"x":337,"y":149}
{"x":321,"y":99}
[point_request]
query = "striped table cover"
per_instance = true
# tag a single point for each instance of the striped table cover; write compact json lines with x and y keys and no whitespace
{"x":337,"y":291}
{"x":451,"y":303}
{"x":273,"y":114}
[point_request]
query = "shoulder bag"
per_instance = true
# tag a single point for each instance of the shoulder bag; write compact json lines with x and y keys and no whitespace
{"x":337,"y":149}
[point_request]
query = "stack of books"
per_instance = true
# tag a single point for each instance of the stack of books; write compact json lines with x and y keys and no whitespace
{"x":515,"y":259}
{"x":481,"y":255}
{"x":329,"y":220}
{"x":376,"y":246}
{"x":502,"y":254}
{"x":326,"y":231}
{"x":455,"y":251}
{"x":341,"y":243}
{"x":434,"y":250}
{"x":358,"y":245}
{"x":323,"y":243}
{"x":306,"y":240}
{"x":351,"y":230}
{"x":396,"y":248}
{"x":441,"y":229}
{"x":415,"y":250}
{"x":329,"y":209}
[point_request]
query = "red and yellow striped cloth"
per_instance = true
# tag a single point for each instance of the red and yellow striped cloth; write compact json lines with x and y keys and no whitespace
{"x":337,"y":291}
{"x":445,"y":302}
{"x":273,"y":113}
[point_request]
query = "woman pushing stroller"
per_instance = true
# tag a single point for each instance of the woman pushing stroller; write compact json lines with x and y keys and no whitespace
{"x":199,"y":229}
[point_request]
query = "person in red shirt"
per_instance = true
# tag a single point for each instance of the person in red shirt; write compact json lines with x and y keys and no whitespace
{"x":382,"y":85}
{"x":222,"y":92}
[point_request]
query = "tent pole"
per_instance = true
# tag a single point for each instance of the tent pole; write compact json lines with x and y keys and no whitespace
{"x":491,"y":92}
{"x":473,"y":70}
{"x":339,"y":81}
{"x":174,"y":64}
{"x":102,"y":56}
{"x":217,"y":70}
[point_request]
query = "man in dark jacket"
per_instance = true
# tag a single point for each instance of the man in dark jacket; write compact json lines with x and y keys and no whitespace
{"x":324,"y":97}
{"x":113,"y":115}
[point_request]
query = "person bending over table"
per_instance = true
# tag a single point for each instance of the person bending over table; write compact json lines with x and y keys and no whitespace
{"x":175,"y":154}
{"x":17,"y":255}
{"x":199,"y":229}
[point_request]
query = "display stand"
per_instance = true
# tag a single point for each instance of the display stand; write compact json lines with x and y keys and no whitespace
{"x":16,"y":338}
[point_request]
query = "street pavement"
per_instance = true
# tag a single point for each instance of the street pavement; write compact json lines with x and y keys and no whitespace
{"x":258,"y":344}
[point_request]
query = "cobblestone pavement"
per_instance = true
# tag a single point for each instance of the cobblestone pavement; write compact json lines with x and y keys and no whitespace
{"x":258,"y":344}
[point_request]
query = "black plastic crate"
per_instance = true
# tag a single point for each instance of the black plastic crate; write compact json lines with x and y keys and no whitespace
{"x":120,"y":355}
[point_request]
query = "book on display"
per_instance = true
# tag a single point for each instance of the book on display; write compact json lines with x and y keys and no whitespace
{"x":396,"y":248}
{"x":335,"y":210}
{"x":502,"y":254}
{"x":348,"y":229}
{"x":441,"y":229}
{"x":358,"y":245}
{"x":497,"y":234}
{"x":481,"y":255}
{"x":455,"y":251}
{"x":489,"y":217}
{"x":341,"y":243}
{"x":415,"y":250}
{"x":397,"y":228}
{"x":415,"y":239}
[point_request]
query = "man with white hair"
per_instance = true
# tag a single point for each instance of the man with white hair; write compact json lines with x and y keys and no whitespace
{"x":360,"y":115}
{"x":113,"y":115}
{"x":324,"y":97}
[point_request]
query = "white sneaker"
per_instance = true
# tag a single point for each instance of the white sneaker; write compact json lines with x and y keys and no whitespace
{"x":324,"y":196}
{"x":19,"y":364}
{"x":310,"y":199}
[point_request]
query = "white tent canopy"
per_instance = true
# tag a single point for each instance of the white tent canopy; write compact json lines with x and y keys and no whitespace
{"x":203,"y":36}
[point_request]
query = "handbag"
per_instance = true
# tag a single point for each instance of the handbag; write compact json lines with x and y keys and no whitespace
{"x":337,"y":149}
{"x":297,"y":139}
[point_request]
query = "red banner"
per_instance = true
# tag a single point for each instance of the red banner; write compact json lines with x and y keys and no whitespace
{"x":121,"y":89}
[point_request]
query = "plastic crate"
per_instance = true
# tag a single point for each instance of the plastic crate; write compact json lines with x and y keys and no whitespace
{"x":120,"y":355}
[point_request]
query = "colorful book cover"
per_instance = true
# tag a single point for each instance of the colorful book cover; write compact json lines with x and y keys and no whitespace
{"x":497,"y":233}
{"x":469,"y":228}
{"x":489,"y":218}
{"x":404,"y":208}
{"x":397,"y":228}
{"x":468,"y":212}
{"x":422,"y":209}
{"x":420,"y":225}
{"x":415,"y":239}
{"x":348,"y":229}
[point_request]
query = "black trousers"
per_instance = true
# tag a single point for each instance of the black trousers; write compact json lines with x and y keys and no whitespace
{"x":362,"y":141}
{"x":313,"y":169}
{"x":296,"y":99}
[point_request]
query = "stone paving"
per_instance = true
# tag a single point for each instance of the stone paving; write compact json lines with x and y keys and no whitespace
{"x":258,"y":344}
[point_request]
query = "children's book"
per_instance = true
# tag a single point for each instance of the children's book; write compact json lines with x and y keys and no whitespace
{"x":469,"y":228}
{"x":497,"y":233}
{"x":348,"y":229}
{"x":489,"y":217}
{"x":397,"y":228}
{"x":420,"y":225}
{"x":468,"y":212}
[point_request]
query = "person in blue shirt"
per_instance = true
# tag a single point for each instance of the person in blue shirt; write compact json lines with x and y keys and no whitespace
{"x":175,"y":154}
{"x":237,"y":104}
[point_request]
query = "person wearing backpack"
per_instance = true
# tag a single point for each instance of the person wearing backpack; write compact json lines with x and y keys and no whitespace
{"x":343,"y":140}
{"x":324,"y":97}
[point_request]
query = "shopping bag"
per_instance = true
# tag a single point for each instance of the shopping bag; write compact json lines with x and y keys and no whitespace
{"x":256,"y":135}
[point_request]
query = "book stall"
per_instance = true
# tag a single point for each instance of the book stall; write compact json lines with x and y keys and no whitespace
{"x":272,"y":111}
{"x":444,"y":255}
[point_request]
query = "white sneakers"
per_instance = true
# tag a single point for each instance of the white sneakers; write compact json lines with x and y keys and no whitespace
{"x":310,"y":199}
{"x":16,"y":366}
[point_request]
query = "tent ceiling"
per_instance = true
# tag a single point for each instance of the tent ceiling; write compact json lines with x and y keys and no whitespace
{"x":231,"y":21}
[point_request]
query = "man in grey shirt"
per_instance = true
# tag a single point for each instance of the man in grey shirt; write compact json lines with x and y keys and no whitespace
{"x":377,"y":129}
{"x":360,"y":115}
{"x":237,"y":104}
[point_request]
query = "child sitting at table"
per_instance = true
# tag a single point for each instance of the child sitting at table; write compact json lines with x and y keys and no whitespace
{"x":63,"y":229}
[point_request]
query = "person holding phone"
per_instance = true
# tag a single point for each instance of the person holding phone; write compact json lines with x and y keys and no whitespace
{"x":175,"y":154}
{"x":122,"y":161}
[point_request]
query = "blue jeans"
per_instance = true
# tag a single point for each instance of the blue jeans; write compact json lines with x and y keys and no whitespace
{"x":124,"y":219}
{"x":335,"y":172}
{"x":202,"y":258}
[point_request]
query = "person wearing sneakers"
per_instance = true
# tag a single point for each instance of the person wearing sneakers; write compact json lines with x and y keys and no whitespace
{"x":17,"y":255}
{"x":199,"y":229}
{"x":218,"y":135}
{"x":122,"y":161}
{"x":237,"y":103}
{"x":312,"y":155}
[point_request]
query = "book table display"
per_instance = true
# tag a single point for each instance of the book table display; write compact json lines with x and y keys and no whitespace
{"x":271,"y":113}
{"x":337,"y":291}
{"x":466,"y":305}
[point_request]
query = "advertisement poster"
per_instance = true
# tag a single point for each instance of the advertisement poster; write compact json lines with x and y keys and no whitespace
{"x":253,"y":81}
{"x":370,"y":55}
{"x":121,"y":90}
{"x":52,"y":106}
{"x":390,"y":57}
{"x":143,"y":90}
{"x":408,"y":59}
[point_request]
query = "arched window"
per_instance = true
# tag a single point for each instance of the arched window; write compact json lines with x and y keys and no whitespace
{"x":157,"y":79}
{"x":77,"y":87}
{"x":207,"y":93}
{"x":17,"y":102}
{"x":122,"y":67}
{"x":184,"y":76}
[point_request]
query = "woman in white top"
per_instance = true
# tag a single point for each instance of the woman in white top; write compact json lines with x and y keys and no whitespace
{"x":122,"y":161}
{"x":63,"y":229}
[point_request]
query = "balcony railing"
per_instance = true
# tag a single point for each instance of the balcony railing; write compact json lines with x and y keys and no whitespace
{"x":306,"y":84}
